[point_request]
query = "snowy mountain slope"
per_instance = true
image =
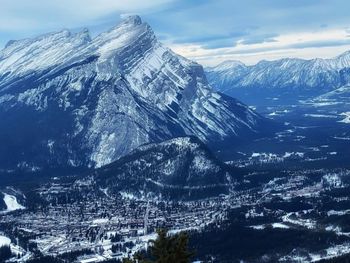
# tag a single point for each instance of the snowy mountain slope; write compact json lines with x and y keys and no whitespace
{"x":340,"y":95}
{"x":314,"y":76}
{"x":225,"y":75}
{"x":69,"y":100}
{"x":180,"y":168}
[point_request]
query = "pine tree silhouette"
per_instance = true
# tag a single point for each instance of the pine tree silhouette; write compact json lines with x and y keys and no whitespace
{"x":166,"y":249}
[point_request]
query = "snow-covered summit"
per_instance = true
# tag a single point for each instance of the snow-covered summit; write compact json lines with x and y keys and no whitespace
{"x":59,"y":48}
{"x":25,"y":56}
{"x":132,"y":20}
{"x":343,"y":59}
{"x":228,"y":65}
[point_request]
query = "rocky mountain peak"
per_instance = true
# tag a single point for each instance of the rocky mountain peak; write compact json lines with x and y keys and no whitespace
{"x":97,"y":100}
{"x":134,"y":20}
{"x":229,"y":65}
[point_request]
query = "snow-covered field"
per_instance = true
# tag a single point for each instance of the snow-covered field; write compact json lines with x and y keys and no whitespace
{"x":12,"y":203}
{"x":4,"y":241}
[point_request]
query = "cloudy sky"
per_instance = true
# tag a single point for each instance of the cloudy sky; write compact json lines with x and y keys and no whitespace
{"x":207,"y":31}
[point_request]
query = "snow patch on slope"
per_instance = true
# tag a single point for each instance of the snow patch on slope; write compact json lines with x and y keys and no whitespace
{"x":347,"y":117}
{"x":12,"y":203}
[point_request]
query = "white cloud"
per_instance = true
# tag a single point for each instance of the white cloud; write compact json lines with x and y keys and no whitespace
{"x":326,"y":43}
{"x":13,"y":24}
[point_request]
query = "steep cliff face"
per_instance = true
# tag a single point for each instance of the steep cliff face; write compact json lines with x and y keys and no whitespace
{"x":70,"y":100}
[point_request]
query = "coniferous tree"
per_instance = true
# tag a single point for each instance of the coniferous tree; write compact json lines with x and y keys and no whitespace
{"x":161,"y":249}
{"x":181,"y":252}
{"x":166,"y":249}
{"x":5,"y":253}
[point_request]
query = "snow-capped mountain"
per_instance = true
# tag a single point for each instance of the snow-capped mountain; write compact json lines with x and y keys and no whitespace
{"x":225,"y":75}
{"x":69,"y":100}
{"x":180,"y":168}
{"x":299,"y":76}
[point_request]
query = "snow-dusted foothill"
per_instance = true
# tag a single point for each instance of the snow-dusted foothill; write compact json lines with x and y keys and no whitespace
{"x":178,"y":169}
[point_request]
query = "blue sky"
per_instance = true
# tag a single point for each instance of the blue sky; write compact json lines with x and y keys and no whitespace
{"x":208,"y":31}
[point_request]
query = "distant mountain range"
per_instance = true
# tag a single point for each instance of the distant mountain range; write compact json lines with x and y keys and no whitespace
{"x":67,"y":100}
{"x":287,"y":79}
